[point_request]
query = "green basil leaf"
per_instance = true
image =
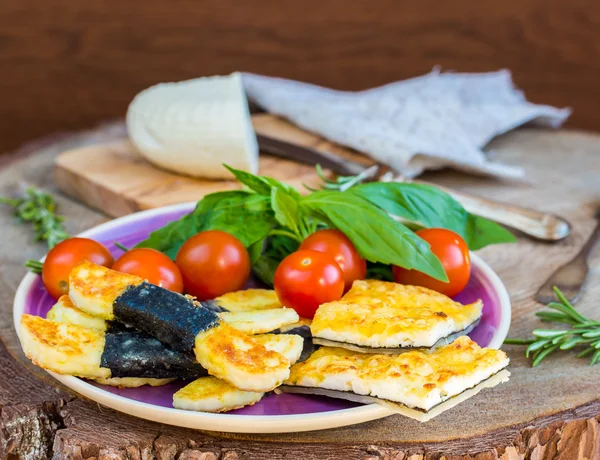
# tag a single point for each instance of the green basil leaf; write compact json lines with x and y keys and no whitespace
{"x":255,"y":250}
{"x":377,"y":271}
{"x":245,"y":215}
{"x":286,"y":208}
{"x":261,"y":184}
{"x":376,"y":236}
{"x":257,"y":183}
{"x":483,"y":232}
{"x":276,"y":248}
{"x":428,"y":206}
{"x":264,"y":268}
{"x":169,"y":238}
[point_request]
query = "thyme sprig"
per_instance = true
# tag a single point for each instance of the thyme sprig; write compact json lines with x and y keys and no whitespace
{"x":39,"y":208}
{"x":582,"y":333}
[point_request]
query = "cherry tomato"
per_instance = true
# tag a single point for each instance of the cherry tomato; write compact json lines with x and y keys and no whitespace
{"x":339,"y":246}
{"x":213,"y":263}
{"x":152,"y":265}
{"x":64,"y":256}
{"x":306,"y":279}
{"x":452,"y":251}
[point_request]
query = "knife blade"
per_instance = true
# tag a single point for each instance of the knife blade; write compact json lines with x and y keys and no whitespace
{"x":327,"y":160}
{"x":570,"y":278}
{"x":539,"y":225}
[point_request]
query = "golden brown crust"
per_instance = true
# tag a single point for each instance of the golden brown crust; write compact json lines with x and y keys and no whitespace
{"x":235,"y":357}
{"x":52,"y":334}
{"x":383,"y":314}
{"x":421,"y":373}
{"x":94,"y":288}
{"x":249,"y":299}
{"x":63,"y":348}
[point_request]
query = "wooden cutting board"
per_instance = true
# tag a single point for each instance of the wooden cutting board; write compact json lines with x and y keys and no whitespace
{"x":117,"y":180}
{"x":549,"y":412}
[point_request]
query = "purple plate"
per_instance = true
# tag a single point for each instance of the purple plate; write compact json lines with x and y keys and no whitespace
{"x":32,"y":298}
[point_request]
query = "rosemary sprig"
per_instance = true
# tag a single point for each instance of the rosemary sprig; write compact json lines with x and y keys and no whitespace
{"x":582,"y":333}
{"x":39,"y":208}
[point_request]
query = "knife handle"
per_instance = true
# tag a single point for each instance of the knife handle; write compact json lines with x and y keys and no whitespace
{"x":543,"y":226}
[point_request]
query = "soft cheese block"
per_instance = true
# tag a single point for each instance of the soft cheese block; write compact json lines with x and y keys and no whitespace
{"x":193,"y":127}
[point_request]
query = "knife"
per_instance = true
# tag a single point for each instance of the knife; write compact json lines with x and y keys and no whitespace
{"x":541,"y":226}
{"x":570,"y":278}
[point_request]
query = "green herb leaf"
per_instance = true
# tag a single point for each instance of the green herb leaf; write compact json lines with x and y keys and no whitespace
{"x":547,"y":333}
{"x":286,"y":209}
{"x":39,"y":208}
{"x":511,"y":341}
{"x":257,"y":183}
{"x":261,"y":184}
{"x":536,"y":346}
{"x":376,"y":236}
{"x":378,"y":271}
{"x":584,"y":332}
{"x":264,"y":268}
{"x":556,"y":317}
{"x":255,"y":250}
{"x":245,"y":215}
{"x":428,"y":206}
{"x":571,"y":343}
{"x":545,"y":352}
{"x":276,"y":249}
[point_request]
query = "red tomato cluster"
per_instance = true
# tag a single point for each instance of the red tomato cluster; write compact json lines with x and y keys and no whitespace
{"x":212,"y":263}
{"x":209,"y":264}
{"x":323,"y":268}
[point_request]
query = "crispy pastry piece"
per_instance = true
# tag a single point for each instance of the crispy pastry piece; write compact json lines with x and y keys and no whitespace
{"x":418,"y":384}
{"x":379,"y":317}
{"x":180,"y":323}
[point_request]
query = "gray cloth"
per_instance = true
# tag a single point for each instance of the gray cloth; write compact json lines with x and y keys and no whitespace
{"x":428,"y":122}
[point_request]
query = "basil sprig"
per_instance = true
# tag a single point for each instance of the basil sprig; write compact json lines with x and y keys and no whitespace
{"x":272,"y":219}
{"x":246,"y":215}
{"x":427,"y":206}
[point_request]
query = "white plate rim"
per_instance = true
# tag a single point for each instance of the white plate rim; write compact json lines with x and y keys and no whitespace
{"x":233,"y":423}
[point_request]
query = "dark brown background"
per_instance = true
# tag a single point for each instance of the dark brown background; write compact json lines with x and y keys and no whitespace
{"x":66,"y":64}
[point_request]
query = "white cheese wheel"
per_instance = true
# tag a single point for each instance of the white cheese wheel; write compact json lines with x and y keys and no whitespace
{"x":194,"y":127}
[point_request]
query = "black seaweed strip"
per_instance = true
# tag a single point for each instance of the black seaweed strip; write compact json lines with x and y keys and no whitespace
{"x":170,"y":317}
{"x":136,"y":354}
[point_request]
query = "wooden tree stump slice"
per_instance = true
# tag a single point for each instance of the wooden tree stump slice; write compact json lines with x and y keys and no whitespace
{"x":549,"y":412}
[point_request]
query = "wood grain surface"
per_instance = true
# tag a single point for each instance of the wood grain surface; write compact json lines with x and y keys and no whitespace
{"x":68,"y":64}
{"x":550,"y":412}
{"x":115,"y":179}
